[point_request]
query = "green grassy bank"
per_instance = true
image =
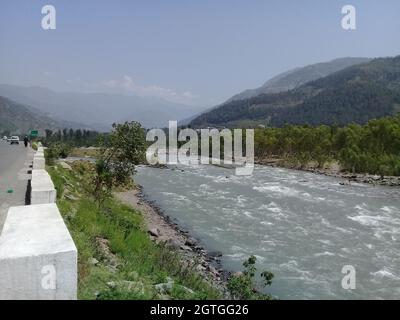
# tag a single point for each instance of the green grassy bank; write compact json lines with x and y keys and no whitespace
{"x":117,"y":259}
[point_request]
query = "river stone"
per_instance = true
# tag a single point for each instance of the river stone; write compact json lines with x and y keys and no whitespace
{"x":164,"y":288}
{"x":174,"y":244}
{"x":213,"y":270}
{"x":93,"y":261}
{"x":191,"y":242}
{"x":154,"y":232}
{"x":186,"y":248}
{"x":132,"y":286}
{"x":65,"y":165}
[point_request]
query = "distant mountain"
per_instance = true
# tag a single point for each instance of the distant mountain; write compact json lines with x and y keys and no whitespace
{"x":17,"y":118}
{"x":187,"y":121}
{"x":294,"y":78}
{"x":99,"y":110}
{"x":355,"y":94}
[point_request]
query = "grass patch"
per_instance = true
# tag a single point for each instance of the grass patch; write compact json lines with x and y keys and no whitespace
{"x":84,"y":153}
{"x":116,"y":258}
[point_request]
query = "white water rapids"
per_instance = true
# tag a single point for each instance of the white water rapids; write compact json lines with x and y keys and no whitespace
{"x":301,"y":226}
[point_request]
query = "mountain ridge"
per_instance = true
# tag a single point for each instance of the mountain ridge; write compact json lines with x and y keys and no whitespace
{"x":98,"y":110}
{"x":355,"y":94}
{"x":293,"y":78}
{"x":17,"y":118}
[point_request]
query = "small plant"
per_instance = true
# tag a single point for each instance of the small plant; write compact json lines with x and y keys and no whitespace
{"x":243,"y":285}
{"x":34,"y":146}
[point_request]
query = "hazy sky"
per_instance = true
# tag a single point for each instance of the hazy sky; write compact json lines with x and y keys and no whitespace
{"x":199,"y":52}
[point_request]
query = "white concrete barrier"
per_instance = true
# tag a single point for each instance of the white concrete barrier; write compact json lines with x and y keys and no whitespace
{"x":38,"y":258}
{"x":39,"y":162}
{"x":42,"y":188}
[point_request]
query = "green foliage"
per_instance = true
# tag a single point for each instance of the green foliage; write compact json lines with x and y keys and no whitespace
{"x":74,"y":138}
{"x":117,"y":157}
{"x":372,"y":148}
{"x":243,"y":286}
{"x":34,"y":146}
{"x":57,"y":150}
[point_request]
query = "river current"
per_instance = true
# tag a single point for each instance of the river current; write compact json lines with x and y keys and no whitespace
{"x":301,"y":226}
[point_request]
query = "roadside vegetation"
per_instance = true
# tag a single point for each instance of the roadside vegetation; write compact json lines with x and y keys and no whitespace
{"x":117,"y":259}
{"x":34,"y":146}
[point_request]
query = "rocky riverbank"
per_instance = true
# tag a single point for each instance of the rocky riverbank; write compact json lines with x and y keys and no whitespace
{"x":334,"y":170}
{"x":162,"y":229}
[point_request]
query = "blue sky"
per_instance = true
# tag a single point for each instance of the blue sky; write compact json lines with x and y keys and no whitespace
{"x":197,"y":52}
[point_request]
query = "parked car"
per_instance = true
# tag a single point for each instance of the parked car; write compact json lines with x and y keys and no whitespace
{"x":5,"y":138}
{"x":14,"y":140}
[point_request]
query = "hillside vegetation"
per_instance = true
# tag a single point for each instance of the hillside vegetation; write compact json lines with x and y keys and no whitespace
{"x":294,"y":78}
{"x":356,"y":94}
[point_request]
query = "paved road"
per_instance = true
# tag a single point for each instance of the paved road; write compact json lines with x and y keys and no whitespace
{"x":14,"y":166}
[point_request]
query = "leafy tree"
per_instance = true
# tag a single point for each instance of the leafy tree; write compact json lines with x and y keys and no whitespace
{"x":124,"y":148}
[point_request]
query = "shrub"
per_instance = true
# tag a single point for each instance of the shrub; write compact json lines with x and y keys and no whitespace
{"x":243,"y":285}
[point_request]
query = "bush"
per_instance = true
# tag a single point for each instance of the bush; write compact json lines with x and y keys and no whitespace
{"x":57,"y":150}
{"x":243,"y":285}
{"x":34,"y":146}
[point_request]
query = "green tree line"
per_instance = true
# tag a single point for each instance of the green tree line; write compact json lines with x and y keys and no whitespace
{"x":74,"y":138}
{"x":371,"y":148}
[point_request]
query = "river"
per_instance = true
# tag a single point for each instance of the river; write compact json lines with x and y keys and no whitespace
{"x":301,"y":226}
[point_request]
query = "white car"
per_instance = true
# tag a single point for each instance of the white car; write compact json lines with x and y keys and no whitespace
{"x":5,"y":138}
{"x":14,"y":140}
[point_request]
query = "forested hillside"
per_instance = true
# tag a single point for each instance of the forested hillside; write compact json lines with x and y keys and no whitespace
{"x":355,"y":94}
{"x":294,"y":78}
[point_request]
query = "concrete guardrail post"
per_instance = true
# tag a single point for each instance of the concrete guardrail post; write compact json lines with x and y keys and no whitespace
{"x":38,"y":258}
